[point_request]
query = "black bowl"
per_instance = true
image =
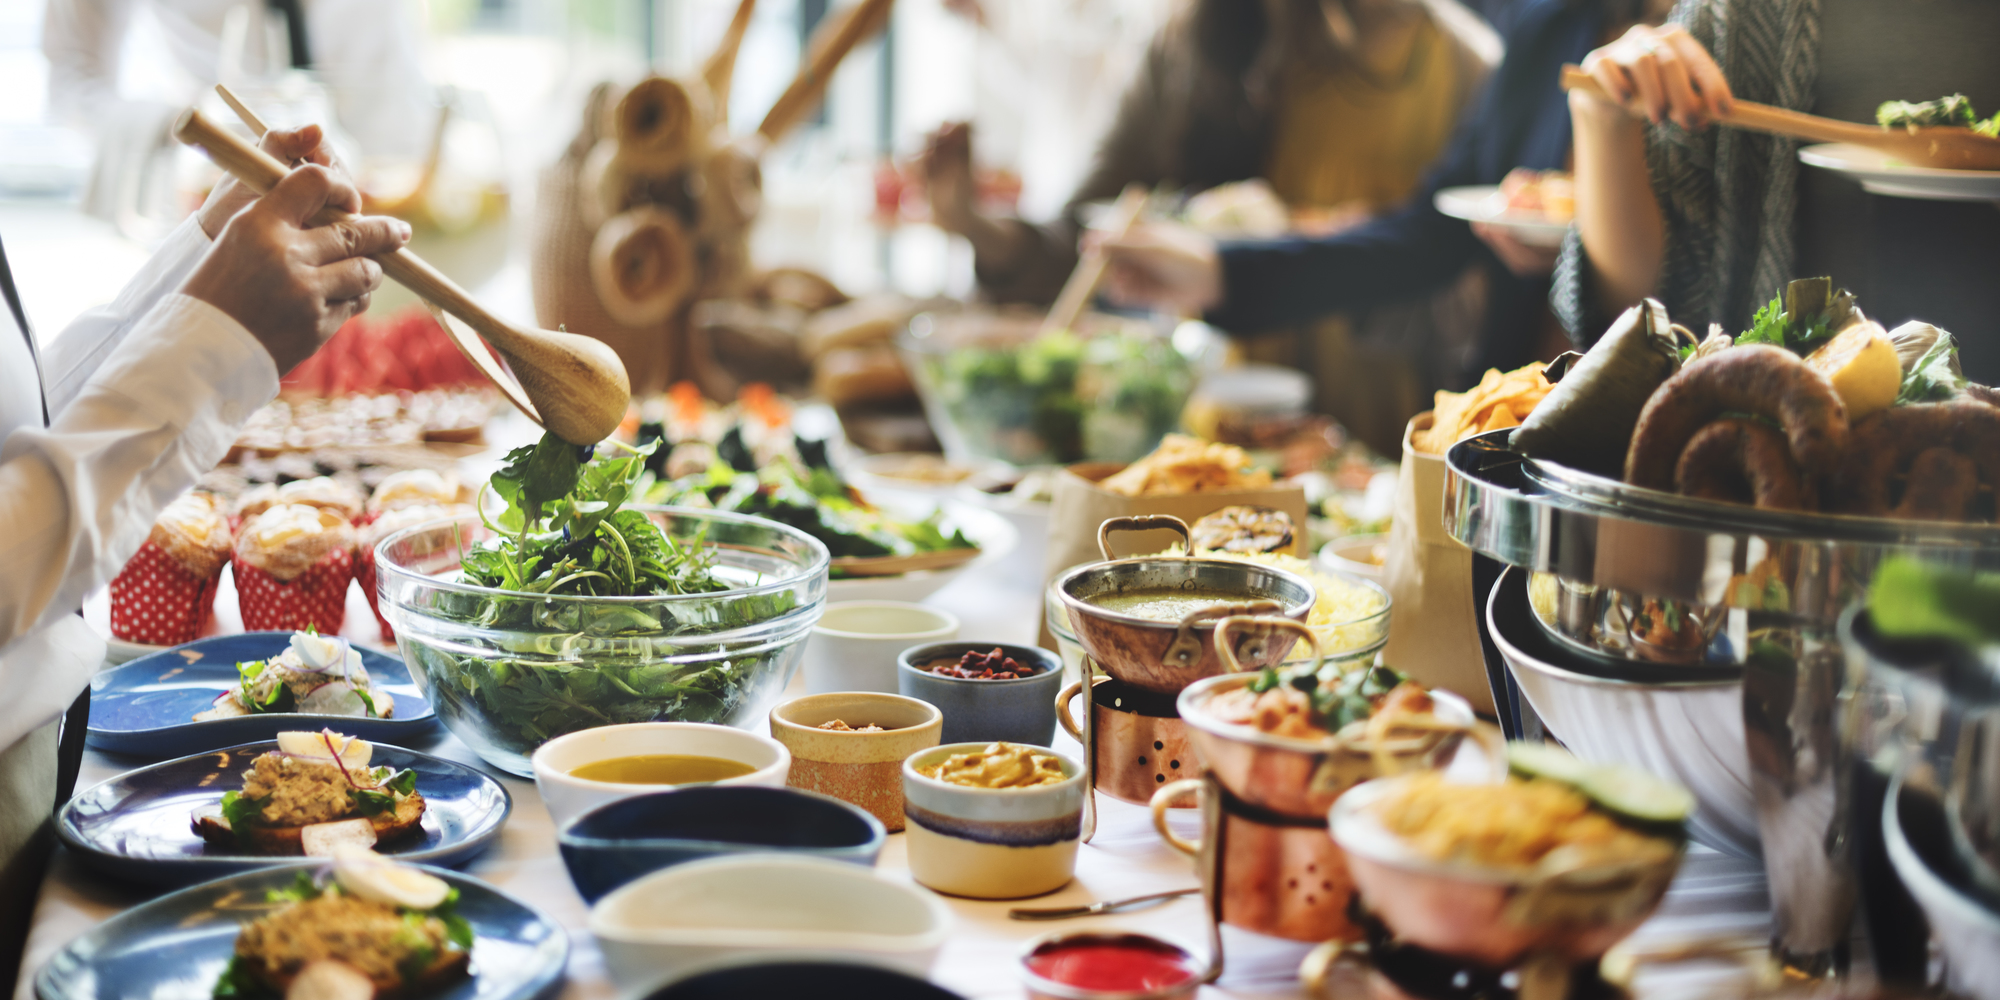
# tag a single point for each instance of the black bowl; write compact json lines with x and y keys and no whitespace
{"x":620,"y":841}
{"x":819,"y":980}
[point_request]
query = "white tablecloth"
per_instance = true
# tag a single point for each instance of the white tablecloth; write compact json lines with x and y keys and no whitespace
{"x":1715,"y":895}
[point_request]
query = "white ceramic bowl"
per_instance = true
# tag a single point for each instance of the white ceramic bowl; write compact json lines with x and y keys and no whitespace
{"x":854,"y":644}
{"x":1029,"y":518}
{"x":995,"y":537}
{"x":1690,"y":732}
{"x":569,"y":796}
{"x":1349,"y":555}
{"x":991,"y":843}
{"x":769,"y":907}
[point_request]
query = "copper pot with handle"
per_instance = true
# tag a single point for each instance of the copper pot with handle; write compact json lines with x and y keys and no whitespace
{"x":1166,"y":656}
{"x":1265,"y":859}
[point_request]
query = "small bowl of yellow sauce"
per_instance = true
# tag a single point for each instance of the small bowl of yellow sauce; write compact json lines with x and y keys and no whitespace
{"x":583,"y":770}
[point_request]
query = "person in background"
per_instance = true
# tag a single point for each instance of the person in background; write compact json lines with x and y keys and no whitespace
{"x":1521,"y":121}
{"x":112,"y":420}
{"x":1714,"y":221}
{"x":1337,"y":104}
{"x":365,"y":52}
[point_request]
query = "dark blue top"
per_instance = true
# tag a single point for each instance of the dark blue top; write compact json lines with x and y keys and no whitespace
{"x":1521,"y":119}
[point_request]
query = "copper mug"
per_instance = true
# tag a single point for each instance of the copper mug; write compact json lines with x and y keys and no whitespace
{"x":1139,"y":743}
{"x":1266,"y":861}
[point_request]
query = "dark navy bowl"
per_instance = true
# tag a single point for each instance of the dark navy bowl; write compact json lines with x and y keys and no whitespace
{"x":1022,"y":710}
{"x":620,"y":841}
{"x":820,"y":980}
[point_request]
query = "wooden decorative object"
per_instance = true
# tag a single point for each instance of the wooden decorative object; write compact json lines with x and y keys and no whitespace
{"x":650,"y":208}
{"x":642,"y":264}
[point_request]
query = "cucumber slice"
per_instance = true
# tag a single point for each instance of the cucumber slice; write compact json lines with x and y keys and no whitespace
{"x":1546,"y":760}
{"x":1617,"y":788}
{"x":1635,"y":794}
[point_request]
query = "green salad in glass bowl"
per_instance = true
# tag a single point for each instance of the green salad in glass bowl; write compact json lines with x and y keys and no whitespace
{"x":573,"y":608}
{"x":995,"y":387}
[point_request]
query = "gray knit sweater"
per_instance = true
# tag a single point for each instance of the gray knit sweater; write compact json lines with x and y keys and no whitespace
{"x":1728,"y":196}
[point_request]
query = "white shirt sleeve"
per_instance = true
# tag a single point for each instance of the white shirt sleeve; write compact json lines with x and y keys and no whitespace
{"x":73,"y":356}
{"x":79,"y":497}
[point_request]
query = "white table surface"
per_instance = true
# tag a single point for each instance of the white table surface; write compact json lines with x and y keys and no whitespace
{"x":1714,"y":895}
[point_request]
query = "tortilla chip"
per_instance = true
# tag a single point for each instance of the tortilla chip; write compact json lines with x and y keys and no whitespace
{"x":1499,"y":400}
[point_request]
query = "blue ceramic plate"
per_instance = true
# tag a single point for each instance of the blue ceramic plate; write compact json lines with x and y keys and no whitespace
{"x":138,"y":825}
{"x":175,"y":947}
{"x":147,"y":706}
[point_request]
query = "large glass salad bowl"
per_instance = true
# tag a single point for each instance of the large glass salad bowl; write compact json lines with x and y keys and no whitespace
{"x":510,"y":670}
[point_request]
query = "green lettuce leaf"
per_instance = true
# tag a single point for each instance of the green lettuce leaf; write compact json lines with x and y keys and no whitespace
{"x":1932,"y":378}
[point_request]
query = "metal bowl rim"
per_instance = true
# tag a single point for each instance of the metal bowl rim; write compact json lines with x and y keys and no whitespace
{"x":1346,"y":812}
{"x":1074,"y":603}
{"x":1204,"y":689}
{"x":1513,"y":655}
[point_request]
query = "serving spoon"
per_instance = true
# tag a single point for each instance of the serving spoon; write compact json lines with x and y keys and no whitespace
{"x":1944,"y":147}
{"x":573,"y":385}
{"x":1093,"y":909}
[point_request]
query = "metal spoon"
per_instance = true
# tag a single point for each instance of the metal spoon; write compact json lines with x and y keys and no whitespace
{"x":1093,"y":909}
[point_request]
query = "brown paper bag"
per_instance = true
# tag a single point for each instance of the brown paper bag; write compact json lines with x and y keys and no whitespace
{"x":1080,"y":505}
{"x":1433,"y":634}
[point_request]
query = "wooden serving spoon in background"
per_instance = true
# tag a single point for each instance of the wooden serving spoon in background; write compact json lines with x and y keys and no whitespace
{"x":1944,"y":147}
{"x":573,"y":385}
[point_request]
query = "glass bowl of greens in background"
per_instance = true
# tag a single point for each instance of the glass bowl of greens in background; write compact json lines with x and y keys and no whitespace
{"x":568,"y":608}
{"x":995,"y":387}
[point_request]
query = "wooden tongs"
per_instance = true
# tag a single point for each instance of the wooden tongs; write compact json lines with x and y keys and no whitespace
{"x":1945,"y":147}
{"x":573,"y":385}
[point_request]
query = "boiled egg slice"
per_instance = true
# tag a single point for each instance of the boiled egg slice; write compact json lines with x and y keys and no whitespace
{"x":372,"y":877}
{"x":325,"y":745}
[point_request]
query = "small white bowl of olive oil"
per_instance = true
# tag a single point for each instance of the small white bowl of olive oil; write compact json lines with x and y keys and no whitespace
{"x":580,"y":771}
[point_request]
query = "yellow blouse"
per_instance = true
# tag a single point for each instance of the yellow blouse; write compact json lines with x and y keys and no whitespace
{"x":1343,"y":137}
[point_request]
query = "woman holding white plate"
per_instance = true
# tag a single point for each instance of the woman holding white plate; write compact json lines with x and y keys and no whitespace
{"x":1714,"y":221}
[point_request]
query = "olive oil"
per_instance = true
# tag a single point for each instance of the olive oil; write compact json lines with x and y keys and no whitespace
{"x":662,"y":769}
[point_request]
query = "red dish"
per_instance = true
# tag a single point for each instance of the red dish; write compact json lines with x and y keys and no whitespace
{"x":1095,"y":965}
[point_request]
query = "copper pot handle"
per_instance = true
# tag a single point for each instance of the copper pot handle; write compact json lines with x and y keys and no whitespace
{"x":1227,"y":650}
{"x":1143,"y":522}
{"x":1164,"y":800}
{"x":1185,"y":650}
{"x":1318,"y":968}
{"x":1068,"y":721}
{"x":1491,"y":740}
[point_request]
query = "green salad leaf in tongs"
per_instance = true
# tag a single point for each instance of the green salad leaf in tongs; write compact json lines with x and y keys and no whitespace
{"x":564,"y":530}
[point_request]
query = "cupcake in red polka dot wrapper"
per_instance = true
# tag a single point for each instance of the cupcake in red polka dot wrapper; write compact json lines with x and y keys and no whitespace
{"x":166,"y":594}
{"x":323,"y":492}
{"x":384,"y":525}
{"x":402,"y":499}
{"x":416,"y":488}
{"x":293,"y":565}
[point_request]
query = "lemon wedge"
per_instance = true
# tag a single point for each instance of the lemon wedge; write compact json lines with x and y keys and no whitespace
{"x":1861,"y":363}
{"x":377,"y":879}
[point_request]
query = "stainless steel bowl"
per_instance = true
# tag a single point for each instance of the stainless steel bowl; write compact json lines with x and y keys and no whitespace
{"x":1689,"y":730}
{"x":1766,"y":588}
